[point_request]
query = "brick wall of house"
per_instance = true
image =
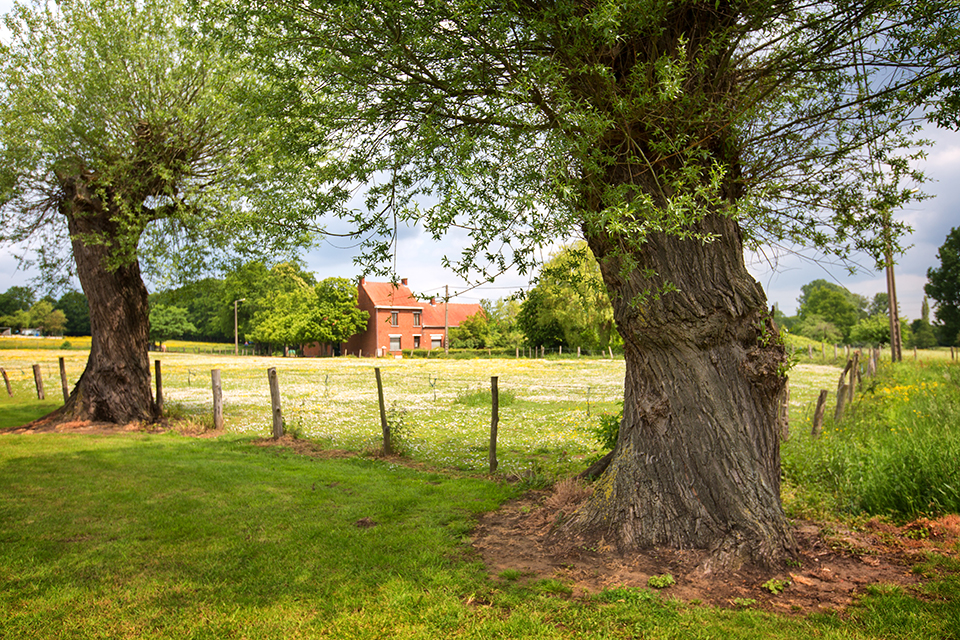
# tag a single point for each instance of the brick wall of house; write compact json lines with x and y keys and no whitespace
{"x":381,"y":300}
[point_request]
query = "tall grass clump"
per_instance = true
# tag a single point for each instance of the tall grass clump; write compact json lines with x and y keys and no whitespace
{"x":484,"y":397}
{"x":894,"y":452}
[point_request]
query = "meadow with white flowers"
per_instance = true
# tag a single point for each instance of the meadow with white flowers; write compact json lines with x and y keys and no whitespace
{"x":549,"y":407}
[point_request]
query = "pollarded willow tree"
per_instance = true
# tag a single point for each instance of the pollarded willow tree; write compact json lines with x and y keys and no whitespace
{"x":125,"y":138}
{"x":669,"y":134}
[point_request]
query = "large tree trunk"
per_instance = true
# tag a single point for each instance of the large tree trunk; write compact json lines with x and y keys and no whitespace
{"x":115,"y":385}
{"x":697,"y":464}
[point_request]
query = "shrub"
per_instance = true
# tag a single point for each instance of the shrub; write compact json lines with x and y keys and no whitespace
{"x":608,"y":430}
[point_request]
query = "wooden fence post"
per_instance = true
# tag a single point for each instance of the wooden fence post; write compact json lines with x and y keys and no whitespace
{"x":784,"y":412}
{"x":818,"y":414}
{"x":275,"y":402}
{"x":159,"y":380}
{"x":843,"y":390}
{"x":854,"y":374}
{"x":6,"y":381}
{"x":218,"y":399}
{"x":843,"y":375}
{"x":384,"y":425}
{"x":578,"y":352}
{"x":842,"y":394}
{"x":494,"y":422}
{"x":63,"y":379}
{"x":38,"y":379}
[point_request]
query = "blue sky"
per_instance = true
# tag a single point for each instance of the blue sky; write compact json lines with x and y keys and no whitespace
{"x":419,"y":258}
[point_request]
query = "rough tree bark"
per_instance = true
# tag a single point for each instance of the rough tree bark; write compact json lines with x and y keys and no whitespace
{"x":115,"y":385}
{"x":697,"y":463}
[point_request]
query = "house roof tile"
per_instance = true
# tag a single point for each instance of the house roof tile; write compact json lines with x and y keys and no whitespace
{"x":386,"y":294}
{"x":433,"y":315}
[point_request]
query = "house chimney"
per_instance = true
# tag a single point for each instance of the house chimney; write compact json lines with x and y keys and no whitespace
{"x":433,"y":302}
{"x":362,"y":279}
{"x":403,"y":281}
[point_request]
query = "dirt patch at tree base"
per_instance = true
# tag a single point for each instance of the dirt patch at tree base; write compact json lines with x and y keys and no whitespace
{"x":53,"y":424}
{"x":833,"y":568}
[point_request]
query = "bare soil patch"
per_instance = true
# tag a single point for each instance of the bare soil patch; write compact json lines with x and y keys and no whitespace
{"x":304,"y":447}
{"x":53,"y":424}
{"x":834,"y":566}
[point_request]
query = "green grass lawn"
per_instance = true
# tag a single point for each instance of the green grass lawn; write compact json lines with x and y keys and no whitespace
{"x":143,"y":536}
{"x":140,"y":536}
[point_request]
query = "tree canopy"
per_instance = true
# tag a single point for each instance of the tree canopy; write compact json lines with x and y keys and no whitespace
{"x":16,"y":299}
{"x":822,"y":301}
{"x":295,"y":311}
{"x":569,"y":304}
{"x":125,"y":139}
{"x":667,"y":135}
{"x":943,"y":287}
{"x":168,"y":321}
{"x":74,"y":305}
{"x":480,"y":107}
{"x":124,"y":97}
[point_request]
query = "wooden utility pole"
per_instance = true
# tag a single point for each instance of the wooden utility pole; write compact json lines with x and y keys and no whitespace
{"x":896,"y":343}
{"x":446,"y":318}
{"x":236,"y":327}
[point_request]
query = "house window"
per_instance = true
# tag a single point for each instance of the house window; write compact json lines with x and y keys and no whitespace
{"x":416,"y":318}
{"x":416,"y":342}
{"x":394,"y":318}
{"x":394,"y":343}
{"x":436,"y":342}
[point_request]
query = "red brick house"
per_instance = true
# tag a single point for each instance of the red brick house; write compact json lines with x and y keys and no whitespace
{"x":398,"y":321}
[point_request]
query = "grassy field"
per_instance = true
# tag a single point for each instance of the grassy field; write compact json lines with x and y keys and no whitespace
{"x":164,"y":536}
{"x":545,"y":430}
{"x":546,"y":427}
{"x":895,"y":452}
{"x":17,"y":342}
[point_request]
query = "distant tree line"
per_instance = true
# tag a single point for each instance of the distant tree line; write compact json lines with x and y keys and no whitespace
{"x":943,"y":286}
{"x":277,"y":306}
{"x":568,"y":307}
{"x":831,"y":313}
{"x":69,"y":316}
